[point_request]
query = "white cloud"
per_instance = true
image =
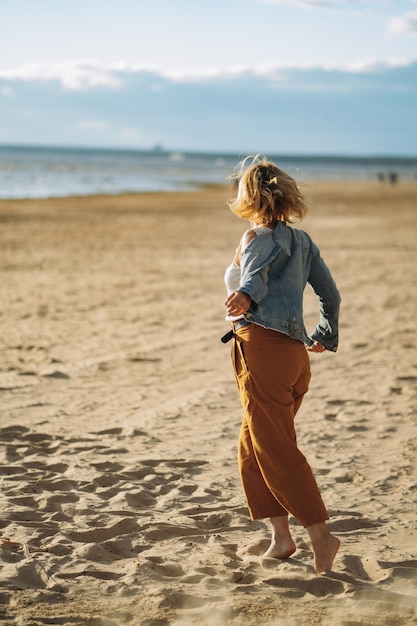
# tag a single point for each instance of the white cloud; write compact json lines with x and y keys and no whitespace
{"x":351,"y":5}
{"x":314,"y":4}
{"x":73,"y":75}
{"x":372,"y":65}
{"x":404,"y":25}
{"x":85,"y":75}
{"x":310,"y":101}
{"x":6,"y":91}
{"x":277,"y":71}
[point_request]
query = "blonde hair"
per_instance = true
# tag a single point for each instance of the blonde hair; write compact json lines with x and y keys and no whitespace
{"x":266,"y":193}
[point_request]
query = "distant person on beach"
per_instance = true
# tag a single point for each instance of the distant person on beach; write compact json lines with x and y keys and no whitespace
{"x":265,"y":283}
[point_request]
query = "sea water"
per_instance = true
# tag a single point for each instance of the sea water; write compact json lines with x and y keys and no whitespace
{"x":41,"y":172}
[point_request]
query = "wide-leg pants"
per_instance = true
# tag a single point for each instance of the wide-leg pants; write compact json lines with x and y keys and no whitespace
{"x":272,"y":373}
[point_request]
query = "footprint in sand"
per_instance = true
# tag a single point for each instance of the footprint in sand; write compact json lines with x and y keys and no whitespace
{"x":178,"y":600}
{"x":353,"y":523}
{"x":26,"y":501}
{"x":12,"y":432}
{"x":30,"y":575}
{"x":400,"y":569}
{"x":355,"y":566}
{"x":140,"y":498}
{"x":166,"y":569}
{"x":121,"y":527}
{"x":55,"y":501}
{"x":169,"y":531}
{"x":10,"y":470}
{"x":102,"y":498}
{"x":99,"y":553}
{"x":108,"y":466}
{"x":11,"y":551}
{"x":295,"y":587}
{"x":43,"y":467}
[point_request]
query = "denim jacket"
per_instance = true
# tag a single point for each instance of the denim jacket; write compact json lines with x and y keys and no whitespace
{"x":275,"y":268}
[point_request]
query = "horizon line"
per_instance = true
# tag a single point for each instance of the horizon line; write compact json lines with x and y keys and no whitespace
{"x":160,"y":149}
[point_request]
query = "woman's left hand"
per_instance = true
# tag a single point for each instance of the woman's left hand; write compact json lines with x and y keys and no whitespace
{"x":238,"y":303}
{"x":316,"y":347}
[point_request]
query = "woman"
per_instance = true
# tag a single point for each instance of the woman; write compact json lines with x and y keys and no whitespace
{"x":265,"y":283}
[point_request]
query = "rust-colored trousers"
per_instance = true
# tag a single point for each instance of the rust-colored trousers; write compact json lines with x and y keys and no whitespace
{"x":272,"y":373}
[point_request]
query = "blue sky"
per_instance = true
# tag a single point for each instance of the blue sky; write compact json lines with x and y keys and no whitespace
{"x":276,"y":76}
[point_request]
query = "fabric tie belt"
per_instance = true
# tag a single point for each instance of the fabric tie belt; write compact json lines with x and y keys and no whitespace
{"x":235,"y":326}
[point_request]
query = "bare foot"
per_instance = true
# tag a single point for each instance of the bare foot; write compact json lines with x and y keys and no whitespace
{"x":282,"y":544}
{"x":280,"y":549}
{"x":324,"y":553}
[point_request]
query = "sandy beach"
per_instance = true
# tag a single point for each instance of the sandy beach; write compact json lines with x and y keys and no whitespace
{"x":121,"y":503}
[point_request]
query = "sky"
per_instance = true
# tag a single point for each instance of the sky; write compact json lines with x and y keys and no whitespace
{"x":277,"y":76}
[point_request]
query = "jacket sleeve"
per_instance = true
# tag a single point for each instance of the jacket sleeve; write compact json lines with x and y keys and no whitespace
{"x":320,"y":278}
{"x":254,"y":272}
{"x":256,"y":286}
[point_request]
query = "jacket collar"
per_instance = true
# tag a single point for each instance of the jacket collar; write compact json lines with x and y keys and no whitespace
{"x":282,"y":237}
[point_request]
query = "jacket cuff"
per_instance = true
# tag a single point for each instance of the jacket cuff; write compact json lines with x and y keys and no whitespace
{"x":330,"y":342}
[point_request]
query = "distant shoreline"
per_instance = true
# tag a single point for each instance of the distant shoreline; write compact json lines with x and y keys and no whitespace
{"x":215,"y":190}
{"x":48,"y":172}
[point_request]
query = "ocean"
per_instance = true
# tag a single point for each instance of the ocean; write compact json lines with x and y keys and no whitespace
{"x":41,"y":172}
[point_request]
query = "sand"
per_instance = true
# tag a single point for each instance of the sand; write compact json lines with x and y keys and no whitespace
{"x":121,"y":501}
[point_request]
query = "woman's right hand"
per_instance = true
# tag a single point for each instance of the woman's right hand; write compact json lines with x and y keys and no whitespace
{"x":238,"y":303}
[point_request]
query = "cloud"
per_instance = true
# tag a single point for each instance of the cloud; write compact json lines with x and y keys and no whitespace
{"x":73,"y":75}
{"x":351,"y":5}
{"x":404,"y":25}
{"x":311,"y":4}
{"x":365,"y":107}
{"x":83,"y":75}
